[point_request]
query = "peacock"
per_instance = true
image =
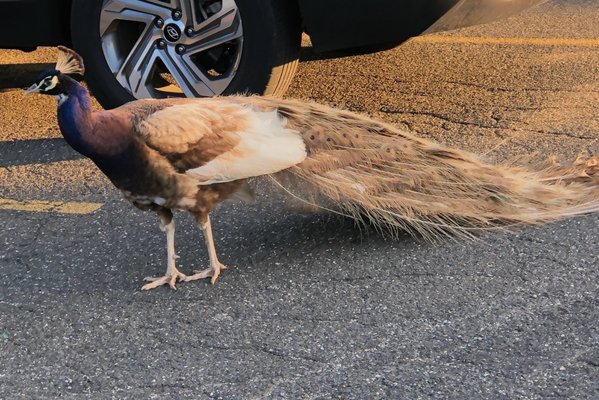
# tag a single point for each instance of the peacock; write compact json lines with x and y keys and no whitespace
{"x":192,"y":154}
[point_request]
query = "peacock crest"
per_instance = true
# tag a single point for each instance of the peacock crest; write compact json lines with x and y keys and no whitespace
{"x":69,"y":62}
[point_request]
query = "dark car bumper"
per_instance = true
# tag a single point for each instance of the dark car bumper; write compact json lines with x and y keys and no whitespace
{"x":332,"y":24}
{"x":31,"y":23}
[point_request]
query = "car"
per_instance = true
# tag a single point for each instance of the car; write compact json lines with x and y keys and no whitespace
{"x":196,"y":48}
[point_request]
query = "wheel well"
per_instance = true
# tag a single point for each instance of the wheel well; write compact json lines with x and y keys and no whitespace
{"x":51,"y":19}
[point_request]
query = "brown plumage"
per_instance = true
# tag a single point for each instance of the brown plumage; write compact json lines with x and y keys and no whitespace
{"x":191,"y":154}
{"x":373,"y":171}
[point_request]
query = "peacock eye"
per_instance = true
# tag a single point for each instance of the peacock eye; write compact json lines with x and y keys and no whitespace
{"x":46,"y":83}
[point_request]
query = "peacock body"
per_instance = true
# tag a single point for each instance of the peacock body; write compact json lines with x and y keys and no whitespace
{"x":191,"y":154}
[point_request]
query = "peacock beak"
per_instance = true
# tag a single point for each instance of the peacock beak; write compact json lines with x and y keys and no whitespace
{"x":32,"y":89}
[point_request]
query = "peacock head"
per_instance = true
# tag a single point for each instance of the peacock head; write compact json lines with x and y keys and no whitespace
{"x":55,"y":81}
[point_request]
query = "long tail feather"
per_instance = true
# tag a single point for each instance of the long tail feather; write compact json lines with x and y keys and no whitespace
{"x":373,"y":171}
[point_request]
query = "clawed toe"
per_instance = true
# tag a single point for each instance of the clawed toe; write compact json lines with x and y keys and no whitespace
{"x":212,"y":272}
{"x":159,"y":281}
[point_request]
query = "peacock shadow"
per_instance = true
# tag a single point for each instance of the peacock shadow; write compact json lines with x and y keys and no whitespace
{"x":256,"y":241}
{"x":36,"y":151}
{"x":284,"y":239}
{"x":112,"y":250}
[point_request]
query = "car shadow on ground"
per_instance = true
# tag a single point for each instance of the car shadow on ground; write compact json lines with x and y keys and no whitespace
{"x":307,"y":53}
{"x":20,"y":76}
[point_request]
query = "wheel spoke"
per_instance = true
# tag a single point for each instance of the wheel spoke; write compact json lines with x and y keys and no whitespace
{"x":192,"y":82}
{"x":131,"y":10}
{"x":163,"y":3}
{"x":204,"y":42}
{"x":225,"y":18}
{"x":140,"y":87}
{"x":135,"y":70}
{"x":215,"y":86}
{"x":187,"y":9}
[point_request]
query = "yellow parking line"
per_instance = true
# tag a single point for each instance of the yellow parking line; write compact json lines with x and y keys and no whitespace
{"x":64,"y":207}
{"x":518,"y":41}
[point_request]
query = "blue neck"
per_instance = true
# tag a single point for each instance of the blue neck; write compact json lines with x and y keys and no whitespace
{"x":75,"y":116}
{"x":101,"y":137}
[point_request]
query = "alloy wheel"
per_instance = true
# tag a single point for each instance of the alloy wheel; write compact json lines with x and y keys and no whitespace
{"x":170,"y":48}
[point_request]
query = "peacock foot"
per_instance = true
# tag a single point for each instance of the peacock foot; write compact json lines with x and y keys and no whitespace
{"x":170,"y":278}
{"x":213,"y":272}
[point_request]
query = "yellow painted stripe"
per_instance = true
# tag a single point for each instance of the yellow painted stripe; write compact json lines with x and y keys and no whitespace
{"x":64,"y":207}
{"x":517,"y":41}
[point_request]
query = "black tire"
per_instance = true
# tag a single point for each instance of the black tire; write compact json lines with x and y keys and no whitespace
{"x":271,"y":45}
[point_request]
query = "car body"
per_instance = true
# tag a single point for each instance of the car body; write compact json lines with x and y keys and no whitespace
{"x":267,"y":35}
{"x":331,"y":23}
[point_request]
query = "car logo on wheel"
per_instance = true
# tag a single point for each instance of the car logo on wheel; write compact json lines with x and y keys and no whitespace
{"x":172,"y":33}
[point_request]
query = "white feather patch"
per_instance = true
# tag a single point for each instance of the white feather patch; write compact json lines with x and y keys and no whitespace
{"x":62,"y":98}
{"x":267,"y":147}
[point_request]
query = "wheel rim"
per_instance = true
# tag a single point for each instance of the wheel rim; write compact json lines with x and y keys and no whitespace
{"x":170,"y":48}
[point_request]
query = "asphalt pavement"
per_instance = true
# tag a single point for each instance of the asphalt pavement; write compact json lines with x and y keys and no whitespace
{"x":312,"y":306}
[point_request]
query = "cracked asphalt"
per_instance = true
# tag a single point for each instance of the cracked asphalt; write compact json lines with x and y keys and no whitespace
{"x":313,"y":307}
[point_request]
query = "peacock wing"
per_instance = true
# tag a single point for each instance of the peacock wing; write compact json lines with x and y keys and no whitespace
{"x":216,"y":141}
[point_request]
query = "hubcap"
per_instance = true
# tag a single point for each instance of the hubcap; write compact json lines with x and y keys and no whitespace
{"x":168,"y":48}
{"x":172,"y":33}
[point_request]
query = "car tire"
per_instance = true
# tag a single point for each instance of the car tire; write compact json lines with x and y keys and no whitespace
{"x":271,"y":41}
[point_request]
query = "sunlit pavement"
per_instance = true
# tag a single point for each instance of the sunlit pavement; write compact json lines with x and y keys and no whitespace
{"x":312,"y":306}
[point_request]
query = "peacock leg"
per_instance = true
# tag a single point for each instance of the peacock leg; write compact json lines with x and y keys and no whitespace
{"x":167,"y":224}
{"x":215,"y":265}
